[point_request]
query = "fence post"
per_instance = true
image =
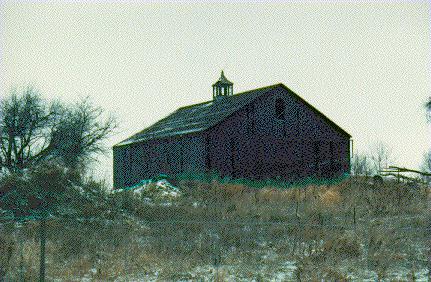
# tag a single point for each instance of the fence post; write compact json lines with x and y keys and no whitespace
{"x":297,"y":202}
{"x":216,"y":256}
{"x":42,"y":249}
{"x":21,"y":251}
{"x":354,"y":215}
{"x":126,"y":250}
{"x":429,"y":259}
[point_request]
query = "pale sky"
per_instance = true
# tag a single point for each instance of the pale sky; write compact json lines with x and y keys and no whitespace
{"x":365,"y":65}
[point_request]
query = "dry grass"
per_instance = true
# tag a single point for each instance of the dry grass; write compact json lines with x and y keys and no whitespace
{"x":330,"y":231}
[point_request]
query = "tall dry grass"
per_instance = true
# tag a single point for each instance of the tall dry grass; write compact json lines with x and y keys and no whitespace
{"x":354,"y":225}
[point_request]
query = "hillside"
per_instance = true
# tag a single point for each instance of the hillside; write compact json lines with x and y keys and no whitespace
{"x":197,"y":230}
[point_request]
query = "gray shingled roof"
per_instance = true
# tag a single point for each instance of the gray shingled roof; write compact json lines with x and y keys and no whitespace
{"x":199,"y":117}
{"x":196,"y":117}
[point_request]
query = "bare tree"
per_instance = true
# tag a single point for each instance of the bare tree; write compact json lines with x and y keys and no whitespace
{"x":33,"y":130}
{"x":80,"y":132}
{"x":426,"y":164}
{"x":361,"y":165}
{"x":381,"y":156}
{"x":428,"y":109}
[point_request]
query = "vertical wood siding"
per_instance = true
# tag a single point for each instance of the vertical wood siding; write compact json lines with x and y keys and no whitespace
{"x":251,"y":143}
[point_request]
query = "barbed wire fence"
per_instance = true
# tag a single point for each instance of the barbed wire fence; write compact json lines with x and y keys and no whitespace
{"x":210,"y":238}
{"x":214,"y":235}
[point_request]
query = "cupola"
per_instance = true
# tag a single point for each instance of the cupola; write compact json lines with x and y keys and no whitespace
{"x":222,"y":88}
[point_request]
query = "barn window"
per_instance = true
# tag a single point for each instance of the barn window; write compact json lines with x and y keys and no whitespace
{"x":279,"y":108}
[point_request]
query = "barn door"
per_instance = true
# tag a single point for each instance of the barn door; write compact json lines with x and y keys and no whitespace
{"x":317,"y":159}
{"x":208,"y":153}
{"x":234,"y":158}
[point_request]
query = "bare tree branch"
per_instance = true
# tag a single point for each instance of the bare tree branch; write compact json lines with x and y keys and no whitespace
{"x":381,"y":156}
{"x":33,"y":130}
{"x":428,"y":109}
{"x":361,"y":165}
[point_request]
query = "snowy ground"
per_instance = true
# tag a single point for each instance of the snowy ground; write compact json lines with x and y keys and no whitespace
{"x":286,"y":272}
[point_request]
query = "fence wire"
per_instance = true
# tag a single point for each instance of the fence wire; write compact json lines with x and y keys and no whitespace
{"x":214,"y":250}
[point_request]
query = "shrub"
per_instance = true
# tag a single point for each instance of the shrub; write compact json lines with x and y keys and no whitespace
{"x":330,"y":197}
{"x":332,"y":274}
{"x":344,"y":246}
{"x":7,"y":248}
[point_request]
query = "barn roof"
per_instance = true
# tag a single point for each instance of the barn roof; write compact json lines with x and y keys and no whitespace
{"x":199,"y":117}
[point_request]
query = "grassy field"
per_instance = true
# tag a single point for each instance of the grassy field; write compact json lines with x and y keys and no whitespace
{"x":353,"y":230}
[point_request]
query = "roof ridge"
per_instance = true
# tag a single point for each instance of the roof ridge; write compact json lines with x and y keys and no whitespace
{"x":234,"y":95}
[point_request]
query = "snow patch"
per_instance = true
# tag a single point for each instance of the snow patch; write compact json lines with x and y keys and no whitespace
{"x":150,"y":187}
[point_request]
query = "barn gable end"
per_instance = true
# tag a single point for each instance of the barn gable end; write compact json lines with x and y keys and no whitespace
{"x":254,"y":143}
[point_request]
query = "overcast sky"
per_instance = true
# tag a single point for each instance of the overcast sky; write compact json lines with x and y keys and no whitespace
{"x":364,"y":65}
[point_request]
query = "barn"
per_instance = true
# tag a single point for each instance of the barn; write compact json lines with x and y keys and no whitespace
{"x":269,"y":132}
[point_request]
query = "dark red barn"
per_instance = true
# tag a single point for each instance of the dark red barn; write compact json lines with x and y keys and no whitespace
{"x":268,"y":132}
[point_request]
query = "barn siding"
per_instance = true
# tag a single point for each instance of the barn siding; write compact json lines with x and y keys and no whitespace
{"x":194,"y":153}
{"x":144,"y":160}
{"x":230,"y":145}
{"x":118,"y":172}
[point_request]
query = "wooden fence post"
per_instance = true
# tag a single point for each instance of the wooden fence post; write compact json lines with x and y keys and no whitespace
{"x":42,"y":249}
{"x":21,"y":252}
{"x":354,"y":215}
